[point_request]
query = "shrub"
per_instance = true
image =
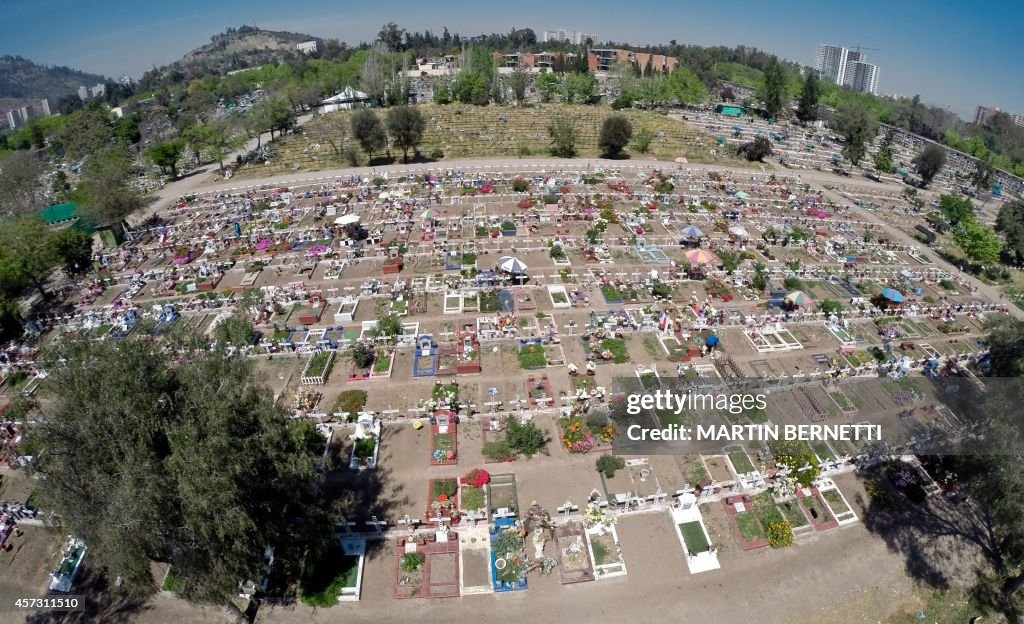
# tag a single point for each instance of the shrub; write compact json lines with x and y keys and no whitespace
{"x":792,"y":283}
{"x":608,"y":464}
{"x":364,"y":448}
{"x":362,"y":355}
{"x":661,"y":290}
{"x":411,"y":562}
{"x":616,"y":131}
{"x":525,"y":438}
{"x":443,"y":487}
{"x":780,"y":533}
{"x":437,"y":154}
{"x":520,"y":185}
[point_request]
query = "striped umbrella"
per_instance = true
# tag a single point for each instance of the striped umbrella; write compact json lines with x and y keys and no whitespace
{"x":430,"y":214}
{"x":739,"y":230}
{"x":700,"y":256}
{"x":691,"y":231}
{"x":511,"y":264}
{"x":798,"y":297}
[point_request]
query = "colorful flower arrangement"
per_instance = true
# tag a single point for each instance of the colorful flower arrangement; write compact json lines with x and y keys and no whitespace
{"x":476,"y":477}
{"x":780,"y":533}
{"x":576,"y":437}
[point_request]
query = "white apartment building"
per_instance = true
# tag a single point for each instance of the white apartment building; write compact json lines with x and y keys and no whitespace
{"x":846,"y":67}
{"x":569,"y":36}
{"x":982,"y":113}
{"x":308,"y":47}
{"x":861,"y":77}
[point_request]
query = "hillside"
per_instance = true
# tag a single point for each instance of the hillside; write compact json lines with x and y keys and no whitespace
{"x":236,"y":48}
{"x":21,"y":81}
{"x":461,"y":131}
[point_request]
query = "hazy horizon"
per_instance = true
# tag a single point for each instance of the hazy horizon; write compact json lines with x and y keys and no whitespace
{"x":917,"y":44}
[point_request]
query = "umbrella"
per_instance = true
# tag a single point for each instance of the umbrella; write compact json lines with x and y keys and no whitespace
{"x":711,"y":341}
{"x":893,"y":295}
{"x":798,"y":297}
{"x":721,"y":140}
{"x":511,"y":264}
{"x":691,"y":231}
{"x":430,"y":214}
{"x":737,"y":129}
{"x":347,"y":219}
{"x":700,"y":256}
{"x":739,"y":230}
{"x":742,"y":195}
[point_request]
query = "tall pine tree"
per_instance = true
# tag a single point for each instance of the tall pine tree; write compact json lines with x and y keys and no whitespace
{"x":807,"y":106}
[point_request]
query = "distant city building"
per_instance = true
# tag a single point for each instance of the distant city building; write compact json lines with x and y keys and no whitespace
{"x":44,"y":107}
{"x":83,"y":92}
{"x":861,"y":77}
{"x":308,"y":47}
{"x":574,"y":37}
{"x":845,"y":67}
{"x":98,"y":90}
{"x":125,"y":80}
{"x":603,"y":60}
{"x":12,"y":119}
{"x":982,"y":114}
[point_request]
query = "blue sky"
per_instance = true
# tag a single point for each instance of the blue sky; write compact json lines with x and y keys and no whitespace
{"x":952,"y":53}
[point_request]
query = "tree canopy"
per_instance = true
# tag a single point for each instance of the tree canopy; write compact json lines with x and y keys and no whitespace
{"x":858,"y":127}
{"x":930,"y":162}
{"x":406,"y":125}
{"x":807,"y":105}
{"x":616,"y":131}
{"x":368,"y":131}
{"x":192,"y":465}
{"x":978,"y":241}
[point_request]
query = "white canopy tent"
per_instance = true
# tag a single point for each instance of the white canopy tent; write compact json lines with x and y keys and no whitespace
{"x":347,"y":99}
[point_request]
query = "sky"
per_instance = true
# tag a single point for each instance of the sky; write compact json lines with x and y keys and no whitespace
{"x":951,"y":53}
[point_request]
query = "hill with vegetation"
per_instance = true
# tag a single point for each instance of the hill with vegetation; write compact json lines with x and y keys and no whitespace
{"x":22,"y":81}
{"x":466,"y":131}
{"x":234,"y":49}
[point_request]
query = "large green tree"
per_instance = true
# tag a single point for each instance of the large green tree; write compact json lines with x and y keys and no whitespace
{"x":1010,"y":223}
{"x":107,"y":187}
{"x":807,"y":104}
{"x":21,"y":187}
{"x":616,"y":131}
{"x":406,"y":125}
{"x":563,"y":137}
{"x":25,"y":243}
{"x":857,"y":126}
{"x":148,"y":459}
{"x":774,"y":93}
{"x":368,"y":131}
{"x":930,"y":162}
{"x":956,"y":208}
{"x":978,"y":241}
{"x":165,"y":155}
{"x":73,"y":249}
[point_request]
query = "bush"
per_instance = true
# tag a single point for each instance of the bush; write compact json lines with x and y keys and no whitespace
{"x":608,"y":464}
{"x":443,"y":487}
{"x":520,"y":185}
{"x":436,"y":154}
{"x":364,"y":448}
{"x":616,"y":131}
{"x":411,"y":562}
{"x":780,"y":533}
{"x":362,"y":355}
{"x":793,"y":283}
{"x":525,"y":438}
{"x":661,"y":290}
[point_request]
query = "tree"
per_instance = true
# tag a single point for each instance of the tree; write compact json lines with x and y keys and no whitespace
{"x":549,"y":87}
{"x":930,"y":162}
{"x":642,"y":140}
{"x":235,"y":331}
{"x":756,"y":150}
{"x":774,"y":96}
{"x":978,"y":241}
{"x":442,"y":94}
{"x":1010,"y":223}
{"x":391,"y":36}
{"x":85,"y":133}
{"x":683,"y":86}
{"x":580,"y":88}
{"x":73,"y":249}
{"x":616,"y":131}
{"x":984,"y":173}
{"x":192,"y":465}
{"x":883,"y":160}
{"x":21,"y":183}
{"x":25,"y":243}
{"x":518,"y":81}
{"x":107,"y":189}
{"x":213,"y":138}
{"x":471,"y":88}
{"x":406,"y":125}
{"x":807,"y":105}
{"x":858,"y":127}
{"x":563,"y":137}
{"x":956,"y":209}
{"x":760,"y":279}
{"x":368,"y":131}
{"x":165,"y":155}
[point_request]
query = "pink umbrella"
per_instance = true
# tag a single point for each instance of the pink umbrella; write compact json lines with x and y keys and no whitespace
{"x":700,"y":256}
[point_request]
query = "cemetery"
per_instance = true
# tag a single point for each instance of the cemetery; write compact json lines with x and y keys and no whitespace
{"x":446,"y":347}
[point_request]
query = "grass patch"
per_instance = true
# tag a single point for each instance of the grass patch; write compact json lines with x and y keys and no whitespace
{"x":791,"y":510}
{"x":815,"y":510}
{"x":822,"y":450}
{"x":471,"y":498}
{"x":611,"y":294}
{"x":382,"y":363}
{"x":749,"y":526}
{"x":617,"y":346}
{"x":443,"y":442}
{"x":351,"y":401}
{"x":835,"y":502}
{"x":532,"y":356}
{"x":693,"y":536}
{"x":173,"y":582}
{"x":741,"y":462}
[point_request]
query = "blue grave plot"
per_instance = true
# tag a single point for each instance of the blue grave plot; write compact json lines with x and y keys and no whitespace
{"x":166,"y":317}
{"x":453,"y":261}
{"x":424,"y":361}
{"x":506,"y":302}
{"x":508,"y":557}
